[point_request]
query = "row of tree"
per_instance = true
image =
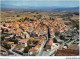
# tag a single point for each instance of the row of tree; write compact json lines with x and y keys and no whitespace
{"x":25,"y":19}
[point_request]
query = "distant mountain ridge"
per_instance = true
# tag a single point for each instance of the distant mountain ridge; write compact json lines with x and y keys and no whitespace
{"x":51,"y":8}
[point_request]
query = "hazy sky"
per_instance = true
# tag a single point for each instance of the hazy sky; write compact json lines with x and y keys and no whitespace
{"x":43,"y":3}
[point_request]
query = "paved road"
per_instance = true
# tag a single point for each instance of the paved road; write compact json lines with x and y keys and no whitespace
{"x":41,"y":52}
{"x":44,"y":53}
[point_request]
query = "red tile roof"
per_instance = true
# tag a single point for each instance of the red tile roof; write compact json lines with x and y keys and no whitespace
{"x":23,"y":41}
{"x":10,"y":42}
{"x":50,"y":42}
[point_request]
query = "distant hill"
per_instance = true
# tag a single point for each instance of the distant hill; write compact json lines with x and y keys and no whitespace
{"x":52,"y":8}
{"x":8,"y":6}
{"x":72,"y":8}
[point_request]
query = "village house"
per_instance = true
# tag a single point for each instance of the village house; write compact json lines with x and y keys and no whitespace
{"x":5,"y":29}
{"x":6,"y":24}
{"x":18,"y":49}
{"x":23,"y":42}
{"x":11,"y":43}
{"x":25,"y":30}
{"x":38,"y":47}
{"x":55,"y":46}
{"x":52,"y":35}
{"x":52,"y":46}
{"x":32,"y":52}
{"x":26,"y":34}
{"x":48,"y":45}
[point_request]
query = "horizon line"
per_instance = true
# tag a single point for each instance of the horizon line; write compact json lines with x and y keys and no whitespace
{"x":39,"y":0}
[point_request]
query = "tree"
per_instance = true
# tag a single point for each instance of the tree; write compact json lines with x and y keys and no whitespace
{"x":26,"y":18}
{"x":35,"y":42}
{"x":31,"y":19}
{"x":62,"y":37}
{"x":7,"y":46}
{"x":2,"y":38}
{"x":18,"y":15}
{"x":75,"y":24}
{"x":57,"y":33}
{"x":39,"y":17}
{"x":21,"y":20}
{"x":4,"y":25}
{"x":26,"y":49}
{"x":29,"y":42}
{"x":55,"y":40}
{"x":14,"y":40}
{"x":76,"y":13}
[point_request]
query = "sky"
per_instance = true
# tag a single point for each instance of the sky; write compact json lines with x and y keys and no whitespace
{"x":42,"y":3}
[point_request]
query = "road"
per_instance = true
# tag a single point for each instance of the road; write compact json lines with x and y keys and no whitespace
{"x":44,"y":53}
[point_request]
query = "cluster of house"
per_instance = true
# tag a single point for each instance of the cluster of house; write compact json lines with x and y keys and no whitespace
{"x":22,"y":31}
{"x":52,"y":46}
{"x":38,"y":27}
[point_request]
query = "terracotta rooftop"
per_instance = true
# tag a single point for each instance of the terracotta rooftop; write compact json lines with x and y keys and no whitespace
{"x":37,"y":46}
{"x":10,"y":42}
{"x":39,"y":27}
{"x":32,"y":50}
{"x":41,"y":41}
{"x":23,"y":41}
{"x":50,"y":42}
